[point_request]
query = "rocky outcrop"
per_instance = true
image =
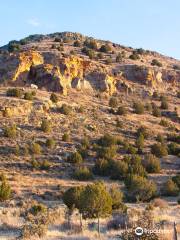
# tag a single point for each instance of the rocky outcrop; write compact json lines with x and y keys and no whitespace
{"x":26,"y":60}
{"x":155,"y":78}
{"x":58,"y":72}
{"x":71,"y":72}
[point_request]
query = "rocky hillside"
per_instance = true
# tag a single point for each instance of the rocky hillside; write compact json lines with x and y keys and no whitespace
{"x":60,"y":61}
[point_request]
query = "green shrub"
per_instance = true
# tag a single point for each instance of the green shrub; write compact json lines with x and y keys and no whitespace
{"x":113,"y":102}
{"x":83,"y":174}
{"x":66,"y":137}
{"x":14,"y":92}
{"x":75,"y":158}
{"x":45,"y":165}
{"x":35,"y":148}
{"x":3,"y":177}
{"x":160,"y":138}
{"x":54,"y":98}
{"x":142,"y":130}
{"x":135,"y":166}
{"x":152,"y":164}
{"x":10,"y":131}
{"x":156,"y":112}
{"x":65,"y":109}
{"x":121,"y":110}
{"x":91,"y":44}
{"x":174,"y":149}
{"x":105,"y":48}
{"x":170,"y":188}
{"x":5,"y":191}
{"x":164,"y":123}
{"x":102,"y":167}
{"x":159,"y":150}
{"x":17,"y":150}
{"x":164,"y":104}
{"x":138,"y":108}
{"x":85,"y":143}
{"x":46,"y":126}
{"x":155,"y":62}
{"x":118,"y":170}
{"x":148,"y":107}
{"x":117,"y":198}
{"x":35,"y":164}
{"x":28,"y":96}
{"x":140,"y":142}
{"x":107,"y":140}
{"x":38,"y":208}
{"x":140,"y":189}
{"x":107,"y":152}
{"x":72,"y":197}
{"x":50,"y":143}
{"x":131,"y":149}
{"x":134,"y":56}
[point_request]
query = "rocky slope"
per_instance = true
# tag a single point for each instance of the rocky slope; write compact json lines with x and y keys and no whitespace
{"x":57,"y":62}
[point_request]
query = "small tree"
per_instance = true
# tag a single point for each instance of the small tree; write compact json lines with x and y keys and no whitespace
{"x":95,"y":202}
{"x":72,"y":200}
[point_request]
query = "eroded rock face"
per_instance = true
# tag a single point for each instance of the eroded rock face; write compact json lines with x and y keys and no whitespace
{"x":26,"y":60}
{"x":56,"y":73}
{"x":157,"y":79}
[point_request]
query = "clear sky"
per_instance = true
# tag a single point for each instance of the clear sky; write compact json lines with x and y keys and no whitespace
{"x":150,"y":24}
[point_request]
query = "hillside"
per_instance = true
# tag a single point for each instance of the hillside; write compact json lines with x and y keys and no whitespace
{"x":75,"y":110}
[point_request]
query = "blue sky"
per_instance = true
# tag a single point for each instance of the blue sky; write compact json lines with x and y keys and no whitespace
{"x":151,"y":24}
